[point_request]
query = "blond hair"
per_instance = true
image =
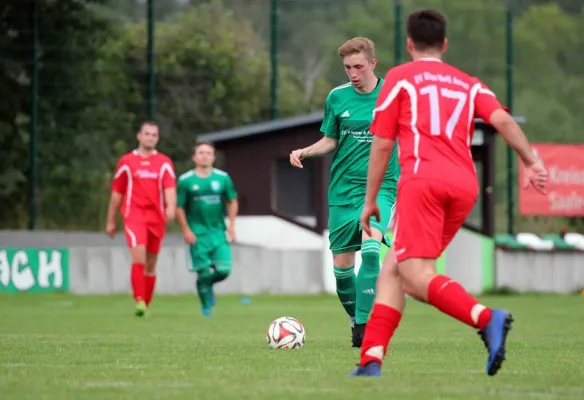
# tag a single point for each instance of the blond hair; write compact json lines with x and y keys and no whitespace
{"x":358,"y":45}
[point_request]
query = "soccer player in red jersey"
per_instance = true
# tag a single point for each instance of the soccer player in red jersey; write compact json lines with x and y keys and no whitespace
{"x":429,"y":106}
{"x":144,"y":186}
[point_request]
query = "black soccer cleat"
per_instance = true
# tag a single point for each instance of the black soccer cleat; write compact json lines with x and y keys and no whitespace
{"x":358,"y":333}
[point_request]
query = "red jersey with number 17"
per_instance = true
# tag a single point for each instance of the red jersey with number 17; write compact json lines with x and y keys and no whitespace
{"x":142,"y":181}
{"x":429,"y":107}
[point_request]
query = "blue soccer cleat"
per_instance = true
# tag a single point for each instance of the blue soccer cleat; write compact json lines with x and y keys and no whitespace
{"x":206,"y":312}
{"x":494,"y":336}
{"x":371,"y":369}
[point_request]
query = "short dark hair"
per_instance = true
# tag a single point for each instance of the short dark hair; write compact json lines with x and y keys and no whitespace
{"x":427,"y":29}
{"x":200,"y":143}
{"x":148,"y":122}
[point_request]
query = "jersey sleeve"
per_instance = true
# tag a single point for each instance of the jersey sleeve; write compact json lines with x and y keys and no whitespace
{"x":486,"y":103}
{"x":386,"y":112}
{"x":122,"y":175}
{"x":182,"y":193}
{"x":230,"y":192}
{"x":330,"y":123}
{"x":168,"y":175}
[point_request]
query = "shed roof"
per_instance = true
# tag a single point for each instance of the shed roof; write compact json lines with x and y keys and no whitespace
{"x":280,"y":124}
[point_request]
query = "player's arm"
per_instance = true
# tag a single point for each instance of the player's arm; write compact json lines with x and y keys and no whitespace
{"x":169,"y":187}
{"x":181,"y":216}
{"x":232,"y":207}
{"x":330,"y":129}
{"x":119,"y":187}
{"x":490,"y":110}
{"x":320,"y":148}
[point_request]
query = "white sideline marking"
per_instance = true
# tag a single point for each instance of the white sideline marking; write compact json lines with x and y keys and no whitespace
{"x":108,"y":384}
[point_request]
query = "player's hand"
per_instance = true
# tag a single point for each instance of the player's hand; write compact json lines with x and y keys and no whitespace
{"x":296,"y":158}
{"x":370,"y":210}
{"x":231,"y":233}
{"x":110,"y":228}
{"x":537,"y":176}
{"x":189,"y":237}
{"x":170,"y":214}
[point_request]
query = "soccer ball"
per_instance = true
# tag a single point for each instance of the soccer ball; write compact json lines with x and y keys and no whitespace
{"x":286,"y":333}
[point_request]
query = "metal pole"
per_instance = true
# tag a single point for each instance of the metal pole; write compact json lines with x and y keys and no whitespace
{"x":511,"y":181}
{"x":274,"y":22}
{"x":398,"y":32}
{"x":151,"y":100}
{"x":33,"y":95}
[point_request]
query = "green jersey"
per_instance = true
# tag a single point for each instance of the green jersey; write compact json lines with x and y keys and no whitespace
{"x":347,"y":118}
{"x":203,"y":199}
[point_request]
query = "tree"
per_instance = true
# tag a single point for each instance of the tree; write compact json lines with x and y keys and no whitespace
{"x":212,"y":72}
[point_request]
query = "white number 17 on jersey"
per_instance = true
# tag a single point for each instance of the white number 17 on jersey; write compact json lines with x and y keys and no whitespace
{"x":435,"y":123}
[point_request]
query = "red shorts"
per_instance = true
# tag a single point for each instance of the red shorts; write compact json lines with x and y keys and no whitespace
{"x":145,"y":234}
{"x":428,"y":215}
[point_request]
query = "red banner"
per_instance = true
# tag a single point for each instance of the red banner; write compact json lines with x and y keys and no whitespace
{"x":565,"y":193}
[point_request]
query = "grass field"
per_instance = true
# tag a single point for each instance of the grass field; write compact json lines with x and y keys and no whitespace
{"x":66,"y":347}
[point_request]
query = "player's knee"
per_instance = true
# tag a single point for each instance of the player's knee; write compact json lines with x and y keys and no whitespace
{"x":415,"y":274}
{"x":205,"y":274}
{"x":344,"y":260}
{"x":150,"y":264}
{"x":222,"y":271}
{"x":375,"y":234}
{"x":138,"y":254}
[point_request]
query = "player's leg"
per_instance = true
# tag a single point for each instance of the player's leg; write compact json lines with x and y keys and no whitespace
{"x":444,"y":212}
{"x":385,"y":318}
{"x":200,"y":262}
{"x":222,"y":262}
{"x":136,"y":237}
{"x":344,"y":242}
{"x":155,"y":238}
{"x":494,"y":334}
{"x":370,"y":263}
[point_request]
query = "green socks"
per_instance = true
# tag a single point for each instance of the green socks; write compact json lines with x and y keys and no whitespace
{"x":346,"y":288}
{"x":204,"y":288}
{"x":367,"y":279}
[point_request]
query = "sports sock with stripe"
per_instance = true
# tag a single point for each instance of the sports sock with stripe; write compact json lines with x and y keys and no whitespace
{"x":345,"y":278}
{"x":367,"y":279}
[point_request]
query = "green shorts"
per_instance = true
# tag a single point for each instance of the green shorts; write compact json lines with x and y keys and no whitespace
{"x":345,"y":232}
{"x":210,"y":249}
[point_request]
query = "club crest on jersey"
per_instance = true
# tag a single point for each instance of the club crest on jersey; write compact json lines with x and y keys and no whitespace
{"x":216,"y":186}
{"x":195,"y":187}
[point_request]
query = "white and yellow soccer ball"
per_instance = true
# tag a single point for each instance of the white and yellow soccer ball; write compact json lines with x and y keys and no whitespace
{"x":286,"y":333}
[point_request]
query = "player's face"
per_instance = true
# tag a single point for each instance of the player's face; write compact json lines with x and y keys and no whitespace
{"x":359,"y":69}
{"x":204,"y":156}
{"x":148,"y":137}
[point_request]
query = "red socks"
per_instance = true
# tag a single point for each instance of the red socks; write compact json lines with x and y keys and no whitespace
{"x":138,"y":282}
{"x":451,"y":298}
{"x":382,"y":324}
{"x":150,"y":284}
{"x":142,"y":285}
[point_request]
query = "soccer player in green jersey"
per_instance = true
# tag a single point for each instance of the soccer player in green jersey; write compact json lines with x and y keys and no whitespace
{"x":347,"y":117}
{"x":206,"y":195}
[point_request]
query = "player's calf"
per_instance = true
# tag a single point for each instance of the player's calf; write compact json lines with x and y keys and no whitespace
{"x":365,"y":286}
{"x":137,"y":278}
{"x":346,"y":282}
{"x":204,"y":290}
{"x":386,"y":314}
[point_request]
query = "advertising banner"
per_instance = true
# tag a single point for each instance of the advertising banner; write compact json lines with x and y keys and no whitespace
{"x":34,"y":270}
{"x":565,"y":195}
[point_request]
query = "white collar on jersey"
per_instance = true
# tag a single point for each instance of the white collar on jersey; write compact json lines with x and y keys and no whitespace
{"x":429,"y":59}
{"x":135,"y":152}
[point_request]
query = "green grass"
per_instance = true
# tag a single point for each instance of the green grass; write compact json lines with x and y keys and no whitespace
{"x":67,"y":347}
